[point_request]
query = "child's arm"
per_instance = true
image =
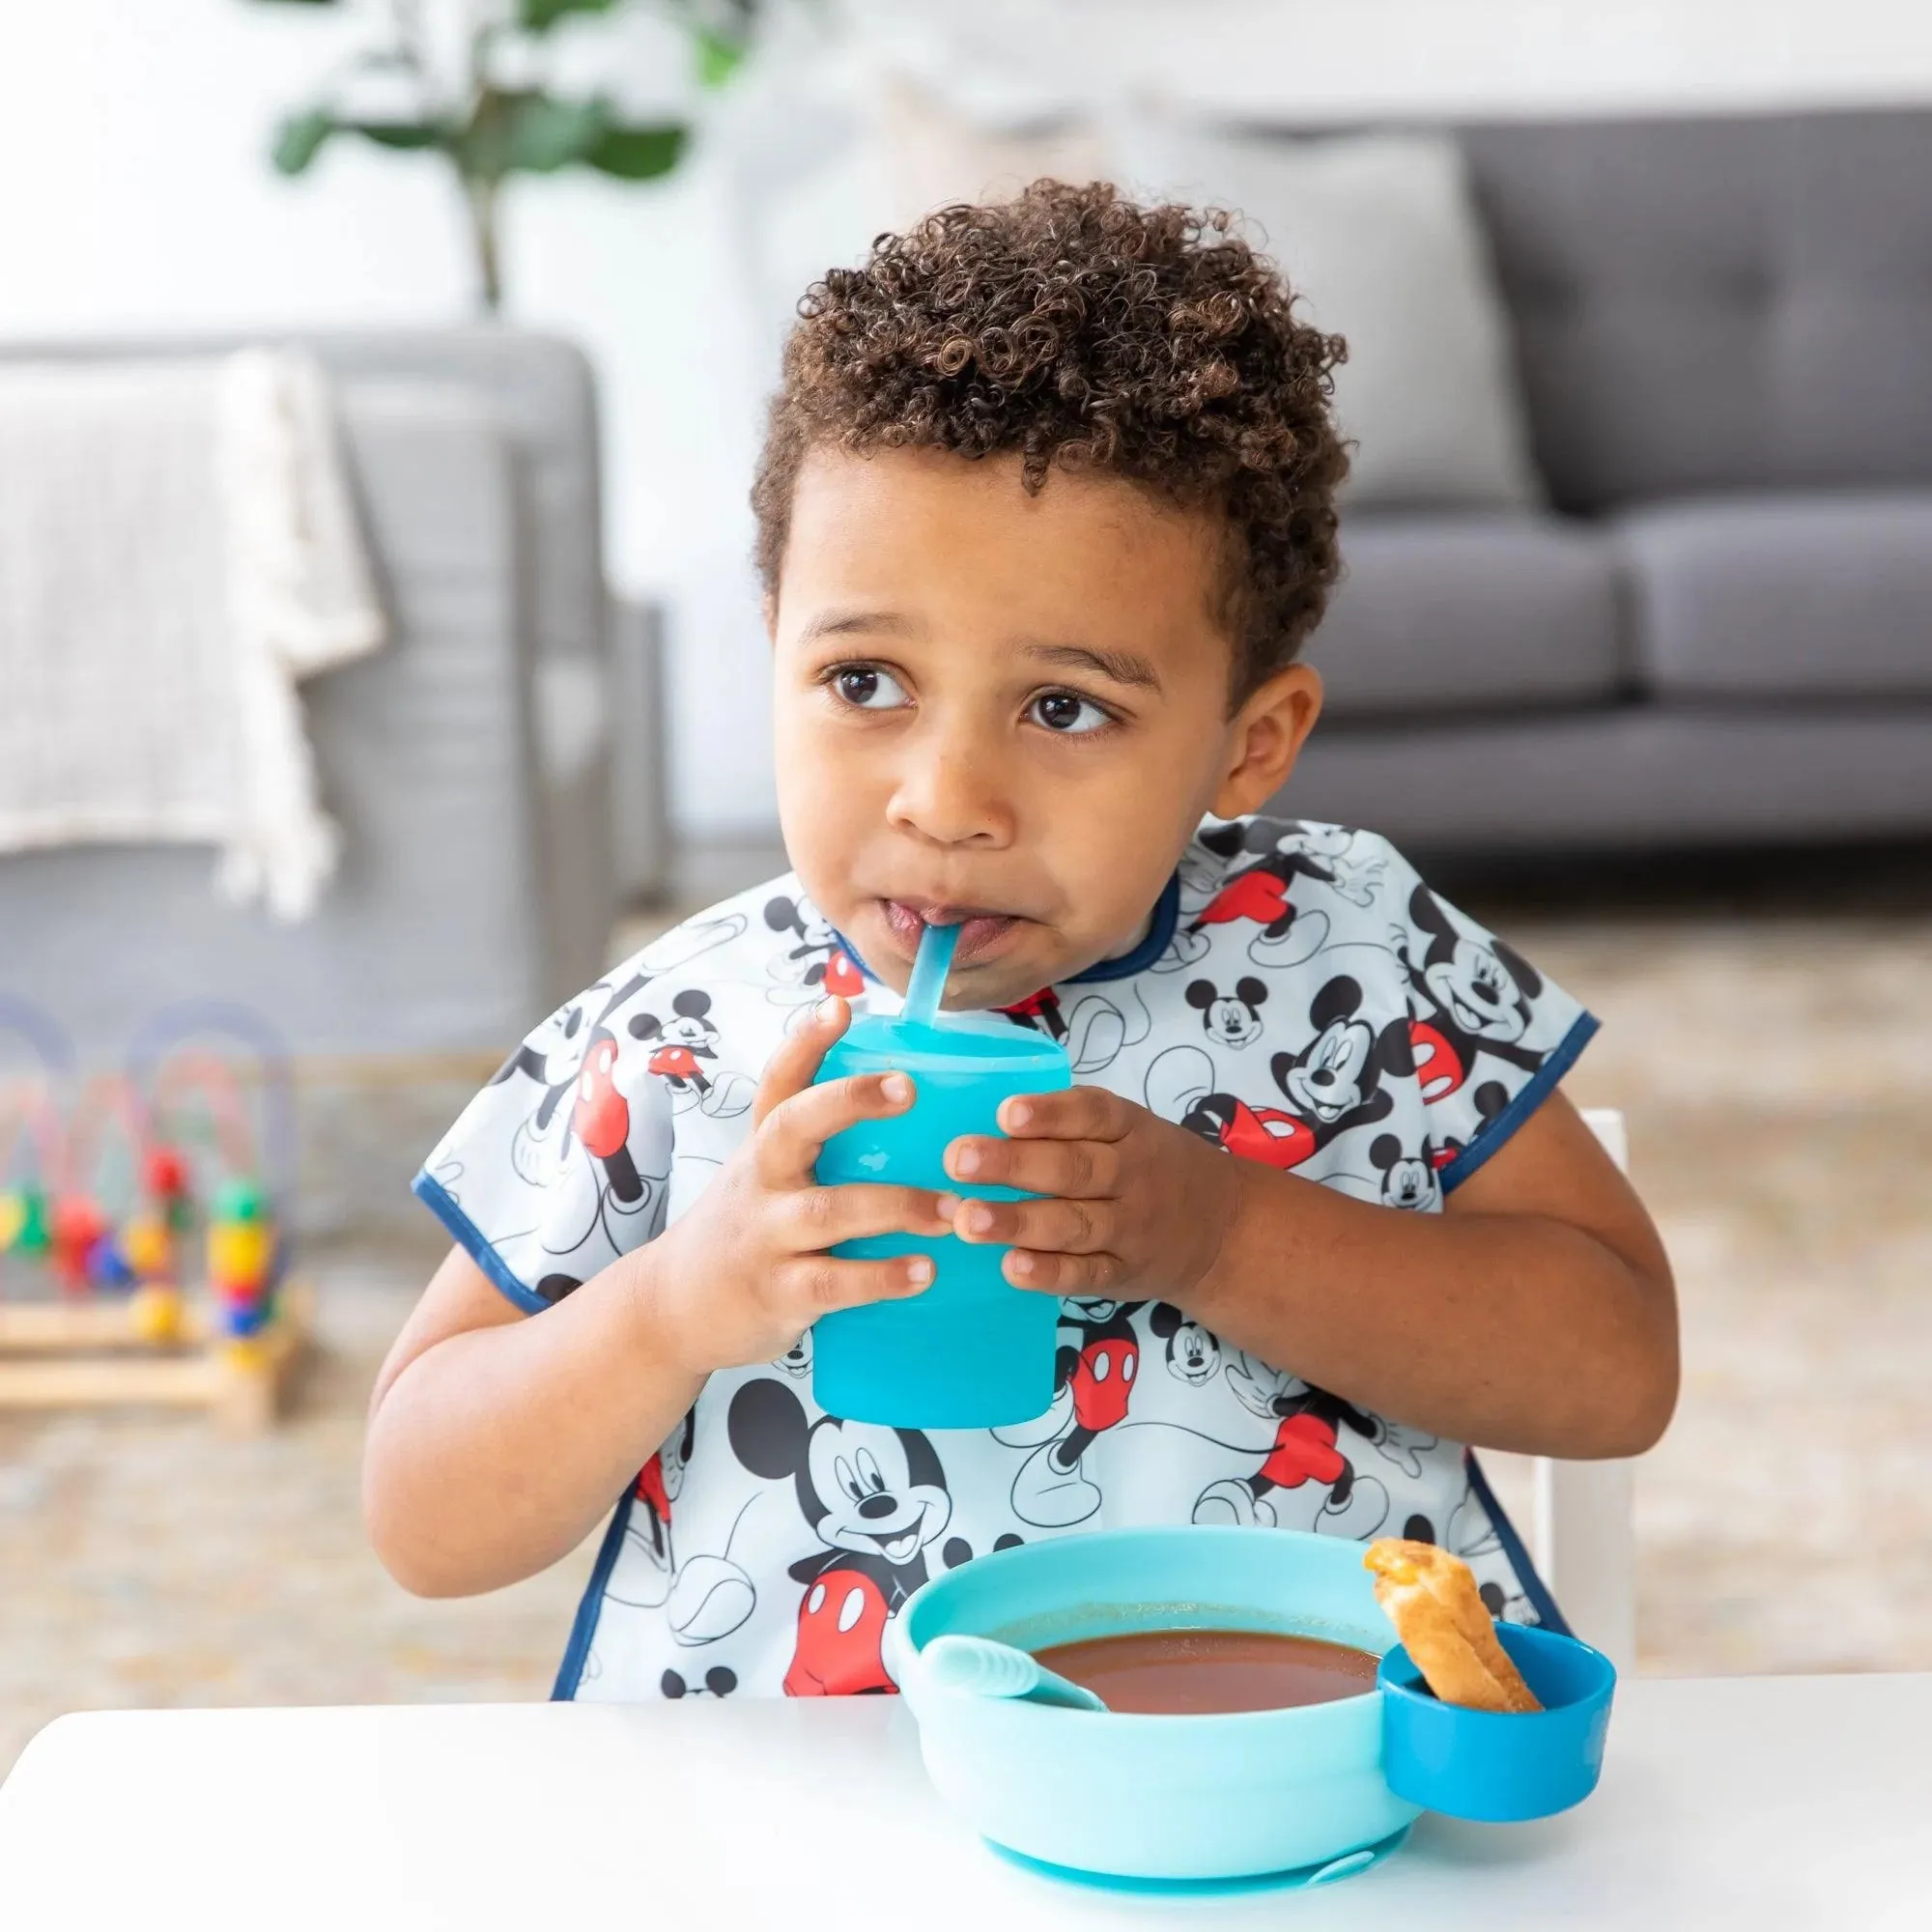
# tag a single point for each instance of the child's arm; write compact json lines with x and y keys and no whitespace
{"x":498,"y":1440}
{"x":1535,"y":1314}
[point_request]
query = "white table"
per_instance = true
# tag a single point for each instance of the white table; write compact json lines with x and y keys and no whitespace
{"x":1764,"y":1802}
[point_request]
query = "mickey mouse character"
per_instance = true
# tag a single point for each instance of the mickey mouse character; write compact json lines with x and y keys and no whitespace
{"x":574,"y":1050}
{"x":577,"y":1054}
{"x":876,"y":1498}
{"x":1408,"y":1180}
{"x":1098,"y":1357}
{"x":1180,"y":1086}
{"x":1472,"y":1537}
{"x":686,"y":1037}
{"x":1491,"y":1099}
{"x":658,"y":1485}
{"x":1305,"y":1450}
{"x":1289,"y":849}
{"x":1334,"y":1083}
{"x":704,"y":1598}
{"x":1229,"y":1019}
{"x":1480,"y":994}
{"x":719,"y":1682}
{"x":1259,"y":892}
{"x":1270,"y":1135}
{"x":818,"y":960}
{"x":1093,"y":1034}
{"x":1193,"y":1353}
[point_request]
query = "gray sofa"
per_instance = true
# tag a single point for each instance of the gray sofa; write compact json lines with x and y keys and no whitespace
{"x":1721,"y":629}
{"x":467,"y":762}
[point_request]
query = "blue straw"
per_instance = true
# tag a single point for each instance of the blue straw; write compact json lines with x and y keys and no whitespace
{"x":928,"y":973}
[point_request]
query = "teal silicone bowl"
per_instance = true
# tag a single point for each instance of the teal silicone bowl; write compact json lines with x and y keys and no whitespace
{"x":1157,"y":1798}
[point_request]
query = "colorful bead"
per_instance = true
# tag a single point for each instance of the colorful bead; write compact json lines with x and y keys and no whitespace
{"x":240,"y":1253}
{"x":156,"y":1311}
{"x":148,"y":1246}
{"x":164,"y":1173}
{"x":33,"y":1236}
{"x":76,"y":1225}
{"x":107,"y":1266}
{"x":241,"y":1200}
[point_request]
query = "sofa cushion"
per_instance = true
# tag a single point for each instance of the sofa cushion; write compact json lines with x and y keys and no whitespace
{"x":1471,"y":612}
{"x":1787,"y":596}
{"x":1728,"y":301}
{"x":1379,"y":238}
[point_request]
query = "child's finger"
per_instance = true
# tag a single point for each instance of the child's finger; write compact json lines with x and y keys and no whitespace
{"x":793,"y":1067}
{"x":1048,"y":1227}
{"x":815,"y":1284}
{"x":821,"y":1217}
{"x":1081,"y":1170}
{"x":793,"y":1134}
{"x":1062,"y":1274}
{"x":1074,"y":1114}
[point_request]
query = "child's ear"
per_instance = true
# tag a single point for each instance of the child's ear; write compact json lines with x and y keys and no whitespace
{"x":1265,"y":737}
{"x":770,"y":607}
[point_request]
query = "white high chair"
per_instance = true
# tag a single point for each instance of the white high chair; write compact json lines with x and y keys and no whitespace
{"x":1581,"y":1535}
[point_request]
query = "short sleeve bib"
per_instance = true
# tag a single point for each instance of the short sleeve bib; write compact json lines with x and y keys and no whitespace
{"x":1302,"y":999}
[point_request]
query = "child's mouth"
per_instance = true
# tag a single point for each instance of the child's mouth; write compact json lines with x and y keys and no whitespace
{"x":980,"y":932}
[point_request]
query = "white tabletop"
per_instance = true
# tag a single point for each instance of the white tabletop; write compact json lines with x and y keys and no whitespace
{"x":1765,"y":1803}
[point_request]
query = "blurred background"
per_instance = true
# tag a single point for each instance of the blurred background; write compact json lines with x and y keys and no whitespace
{"x":380,"y":385}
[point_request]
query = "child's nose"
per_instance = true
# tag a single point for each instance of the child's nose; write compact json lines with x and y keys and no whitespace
{"x":952,"y":794}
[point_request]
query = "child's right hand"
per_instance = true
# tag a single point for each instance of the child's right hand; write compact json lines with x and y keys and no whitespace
{"x":741,"y":1277}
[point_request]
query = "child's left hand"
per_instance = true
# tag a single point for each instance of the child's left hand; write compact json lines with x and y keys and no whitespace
{"x":1134,"y":1205}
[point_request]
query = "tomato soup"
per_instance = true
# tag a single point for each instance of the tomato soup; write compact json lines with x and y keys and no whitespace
{"x":1177,"y":1672}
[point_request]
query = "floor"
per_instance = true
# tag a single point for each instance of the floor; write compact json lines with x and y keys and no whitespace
{"x":1766,"y":1033}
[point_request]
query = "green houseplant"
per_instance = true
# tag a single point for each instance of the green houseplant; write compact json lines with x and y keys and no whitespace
{"x":484,"y":118}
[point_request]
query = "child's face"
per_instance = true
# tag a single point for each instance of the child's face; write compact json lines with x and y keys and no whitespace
{"x":1006,"y":708}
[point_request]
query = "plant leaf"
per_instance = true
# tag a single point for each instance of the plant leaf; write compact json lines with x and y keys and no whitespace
{"x":299,"y":138}
{"x":545,"y":134}
{"x":638,"y":153}
{"x":719,"y":57}
{"x":400,"y":134}
{"x":538,"y":16}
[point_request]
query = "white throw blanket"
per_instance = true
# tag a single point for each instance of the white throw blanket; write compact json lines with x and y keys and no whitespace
{"x":177,"y":550}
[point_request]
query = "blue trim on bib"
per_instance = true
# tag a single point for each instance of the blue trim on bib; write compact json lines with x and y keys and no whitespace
{"x":1159,"y":934}
{"x":1523,"y":1104}
{"x":583,"y":1626}
{"x":1160,"y":931}
{"x":441,"y":1203}
{"x":1533,"y":1585}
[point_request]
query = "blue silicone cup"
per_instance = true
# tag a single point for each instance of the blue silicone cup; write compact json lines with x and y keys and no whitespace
{"x":1243,"y":1795}
{"x":970,"y":1352}
{"x":1490,"y":1766}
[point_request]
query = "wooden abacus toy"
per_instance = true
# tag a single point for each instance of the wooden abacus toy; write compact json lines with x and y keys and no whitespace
{"x":123,"y":1323}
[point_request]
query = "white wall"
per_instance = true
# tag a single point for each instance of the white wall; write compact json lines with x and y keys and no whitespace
{"x":134,"y":195}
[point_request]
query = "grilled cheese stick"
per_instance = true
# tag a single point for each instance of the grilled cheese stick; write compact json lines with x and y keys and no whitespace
{"x":1445,"y":1625}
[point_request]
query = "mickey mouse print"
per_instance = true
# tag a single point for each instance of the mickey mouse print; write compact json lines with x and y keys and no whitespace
{"x":1302,"y":999}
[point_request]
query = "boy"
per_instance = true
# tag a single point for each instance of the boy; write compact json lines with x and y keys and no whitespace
{"x":1044,"y":517}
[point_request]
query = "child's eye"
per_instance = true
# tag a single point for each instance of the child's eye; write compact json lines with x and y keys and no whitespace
{"x":1068,"y":714}
{"x":867,"y":688}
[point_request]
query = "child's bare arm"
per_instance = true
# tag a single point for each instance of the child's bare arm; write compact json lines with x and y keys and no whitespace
{"x":498,"y":1440}
{"x":1536,"y":1314}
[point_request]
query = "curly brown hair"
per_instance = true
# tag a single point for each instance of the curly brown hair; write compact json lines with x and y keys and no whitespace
{"x":1087,"y":333}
